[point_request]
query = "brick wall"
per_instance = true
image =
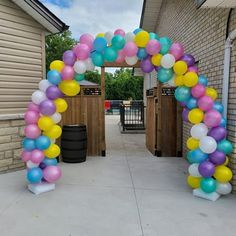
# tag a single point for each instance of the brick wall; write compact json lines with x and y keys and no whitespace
{"x":203,"y":34}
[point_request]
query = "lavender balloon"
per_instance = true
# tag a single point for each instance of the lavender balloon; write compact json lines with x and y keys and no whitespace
{"x":146,"y":65}
{"x":206,"y":169}
{"x":69,"y":58}
{"x":217,"y":157}
{"x":185,"y":114}
{"x":42,"y":165}
{"x":189,"y":59}
{"x":53,"y":92}
{"x":47,"y":107}
{"x":218,"y":133}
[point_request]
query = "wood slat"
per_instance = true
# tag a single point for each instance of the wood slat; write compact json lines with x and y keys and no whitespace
{"x":20,"y":53}
{"x":17,"y":72}
{"x":20,"y":85}
{"x":19,"y":59}
{"x":21,"y":66}
{"x":14,"y":91}
{"x":19,"y":78}
{"x":11,"y":98}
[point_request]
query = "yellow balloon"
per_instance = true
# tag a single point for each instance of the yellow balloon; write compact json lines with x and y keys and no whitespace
{"x":190,"y":79}
{"x":192,"y":143}
{"x":69,"y":87}
{"x":53,"y":151}
{"x":141,"y":38}
{"x":54,"y":132}
{"x":156,"y":59}
{"x":195,"y":115}
{"x":223,"y":174}
{"x":226,"y":161}
{"x":180,"y":67}
{"x":45,"y":123}
{"x":179,"y":80}
{"x":193,"y":182}
{"x":61,"y":104}
{"x":100,"y":35}
{"x":210,"y":92}
{"x":57,"y":65}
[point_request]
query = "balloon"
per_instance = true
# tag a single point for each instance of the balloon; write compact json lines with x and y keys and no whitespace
{"x":179,"y":80}
{"x":56,"y":117}
{"x":167,"y":61}
{"x":44,"y":84}
{"x":142,"y":53}
{"x":25,"y":156}
{"x":54,"y":132}
{"x":30,"y":164}
{"x":100,"y":35}
{"x":82,"y":51}
{"x":205,"y":103}
{"x":202,"y":80}
{"x":218,"y":106}
{"x":34,"y":175}
{"x":153,"y":36}
{"x":79,"y":67}
{"x":97,"y":58}
{"x":52,"y":173}
{"x":223,"y":122}
{"x":180,"y":67}
{"x":79,"y":77}
{"x":108,"y":36}
{"x":87,"y":39}
{"x":153,"y":47}
{"x":223,"y":174}
{"x":67,"y":73}
{"x":185,"y":114}
{"x":195,"y":116}
{"x":47,"y":107}
{"x":130,"y":49}
{"x":208,"y":185}
{"x":137,"y":30}
{"x":119,"y":32}
{"x":223,"y":188}
{"x":206,"y":169}
{"x":182,"y":93}
{"x":33,"y":107}
{"x":191,"y":103}
{"x":218,"y":133}
{"x":54,"y":77}
{"x":31,"y":117}
{"x":28,"y":144}
{"x":198,"y":90}
{"x":89,"y":64}
{"x":207,"y":144}
{"x":225,"y":146}
{"x":193,"y":182}
{"x":193,"y":170}
{"x":52,"y":151}
{"x":198,"y":131}
{"x":57,"y":65}
{"x":38,"y":96}
{"x":42,"y":142}
{"x":45,"y":123}
{"x":171,"y":82}
{"x":37,"y":156}
{"x":99,"y":44}
{"x":118,"y":42}
{"x":217,"y":158}
{"x":212,"y":118}
{"x":190,"y":79}
{"x":164,"y":75}
{"x":192,"y":143}
{"x":141,"y":38}
{"x":69,"y":58}
{"x":177,"y":50}
{"x":193,"y":69}
{"x":196,"y":156}
{"x":61,"y":105}
{"x":131,"y":60}
{"x":69,"y":87}
{"x":53,"y":92}
{"x":50,"y":161}
{"x":156,"y":59}
{"x":32,"y":131}
{"x":121,"y":56}
{"x":129,"y":37}
{"x":165,"y":45}
{"x":189,"y":59}
{"x":147,"y":67}
{"x":110,"y":54}
{"x":211,"y":93}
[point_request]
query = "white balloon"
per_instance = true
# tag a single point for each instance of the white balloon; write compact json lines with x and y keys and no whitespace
{"x":30,"y":164}
{"x":53,"y":141}
{"x":223,"y":188}
{"x":198,"y":131}
{"x":172,"y":82}
{"x":168,"y":61}
{"x":44,"y":84}
{"x":131,"y":60}
{"x":208,"y":144}
{"x":80,"y":67}
{"x":56,"y":117}
{"x":89,"y":64}
{"x":129,"y":37}
{"x":193,"y":170}
{"x":108,"y":36}
{"x":38,"y":96}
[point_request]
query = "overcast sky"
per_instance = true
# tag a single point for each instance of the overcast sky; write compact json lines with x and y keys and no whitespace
{"x":95,"y":16}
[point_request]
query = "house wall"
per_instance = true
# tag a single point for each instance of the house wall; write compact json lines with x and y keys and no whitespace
{"x":203,"y":34}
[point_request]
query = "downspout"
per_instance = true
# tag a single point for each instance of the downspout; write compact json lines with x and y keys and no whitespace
{"x":226,"y":75}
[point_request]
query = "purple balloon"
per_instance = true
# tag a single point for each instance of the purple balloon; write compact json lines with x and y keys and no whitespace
{"x":183,"y":104}
{"x":147,"y":66}
{"x":69,"y":58}
{"x":189,"y":59}
{"x":217,"y":157}
{"x":47,"y":107}
{"x":53,"y":92}
{"x":218,"y":133}
{"x":42,"y":165}
{"x":185,"y":114}
{"x":206,"y":169}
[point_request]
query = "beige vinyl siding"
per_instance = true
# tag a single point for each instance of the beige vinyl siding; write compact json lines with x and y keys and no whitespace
{"x":21,"y":57}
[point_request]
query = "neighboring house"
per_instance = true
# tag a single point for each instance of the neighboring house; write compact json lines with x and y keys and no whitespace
{"x":23,"y":26}
{"x":203,"y":32}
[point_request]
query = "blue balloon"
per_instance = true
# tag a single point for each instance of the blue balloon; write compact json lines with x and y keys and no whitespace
{"x":42,"y":142}
{"x":202,"y":80}
{"x":191,"y":103}
{"x":34,"y":175}
{"x":54,"y":77}
{"x":99,"y":44}
{"x":225,"y":146}
{"x":153,"y":36}
{"x":218,"y":106}
{"x":165,"y":44}
{"x":142,"y":54}
{"x":223,"y":122}
{"x":28,"y":144}
{"x":50,"y":161}
{"x":137,"y":30}
{"x":196,"y":156}
{"x":164,"y":75}
{"x":182,"y":94}
{"x":97,"y":58}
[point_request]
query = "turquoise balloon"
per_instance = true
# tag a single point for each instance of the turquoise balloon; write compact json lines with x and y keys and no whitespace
{"x":110,"y":54}
{"x":50,"y":161}
{"x":225,"y":146}
{"x":223,"y":122}
{"x":164,"y":75}
{"x":182,"y":93}
{"x":118,"y":42}
{"x":208,"y":185}
{"x":79,"y":77}
{"x":191,"y":103}
{"x":34,"y":175}
{"x":165,"y":45}
{"x":196,"y":156}
{"x":153,"y":36}
{"x":137,"y":30}
{"x":99,"y":44}
{"x":202,"y":80}
{"x":28,"y":144}
{"x":142,"y":53}
{"x":218,"y":106}
{"x":97,"y":58}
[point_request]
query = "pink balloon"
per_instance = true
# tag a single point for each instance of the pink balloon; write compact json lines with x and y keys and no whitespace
{"x":67,"y":73}
{"x":153,"y":47}
{"x":37,"y":156}
{"x":87,"y":39}
{"x":52,"y":173}
{"x":212,"y":118}
{"x":119,"y":32}
{"x":33,"y":107}
{"x":177,"y":50}
{"x":205,"y":103}
{"x":31,"y":117}
{"x":198,"y":90}
{"x":130,"y":49}
{"x":193,"y":69}
{"x":32,"y":131}
{"x":82,"y":51}
{"x":121,"y":56}
{"x":25,"y":156}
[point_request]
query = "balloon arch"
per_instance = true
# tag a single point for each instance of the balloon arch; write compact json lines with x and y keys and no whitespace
{"x":208,"y":146}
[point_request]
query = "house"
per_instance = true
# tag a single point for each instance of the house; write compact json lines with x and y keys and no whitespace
{"x":202,"y":26}
{"x":23,"y":27}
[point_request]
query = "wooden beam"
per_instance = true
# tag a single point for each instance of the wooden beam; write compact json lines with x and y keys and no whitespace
{"x":123,"y":64}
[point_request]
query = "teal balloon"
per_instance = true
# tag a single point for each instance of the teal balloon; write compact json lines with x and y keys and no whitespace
{"x":225,"y":146}
{"x":165,"y":45}
{"x":50,"y":161}
{"x":28,"y":144}
{"x":153,"y":36}
{"x":97,"y":58}
{"x":191,"y":103}
{"x":99,"y":44}
{"x":110,"y":54}
{"x":142,"y":53}
{"x":208,"y":185}
{"x":79,"y":77}
{"x":164,"y":75}
{"x":196,"y":156}
{"x":118,"y":42}
{"x":182,"y":93}
{"x":202,"y":80}
{"x":34,"y":175}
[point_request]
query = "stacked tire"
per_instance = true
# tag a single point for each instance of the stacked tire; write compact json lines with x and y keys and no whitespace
{"x":74,"y":143}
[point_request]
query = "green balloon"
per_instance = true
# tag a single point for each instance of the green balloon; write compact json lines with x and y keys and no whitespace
{"x":97,"y":58}
{"x":225,"y":146}
{"x":165,"y":45}
{"x":79,"y":77}
{"x":164,"y":75}
{"x":208,"y":185}
{"x":110,"y":54}
{"x":118,"y":42}
{"x":182,"y":93}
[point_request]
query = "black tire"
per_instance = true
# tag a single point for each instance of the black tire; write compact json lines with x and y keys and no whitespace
{"x":73,"y":145}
